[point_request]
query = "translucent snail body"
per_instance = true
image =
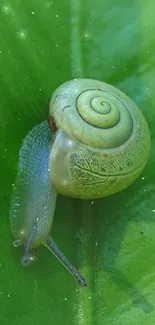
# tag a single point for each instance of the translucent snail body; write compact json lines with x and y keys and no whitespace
{"x":34,"y":199}
{"x":100,"y":145}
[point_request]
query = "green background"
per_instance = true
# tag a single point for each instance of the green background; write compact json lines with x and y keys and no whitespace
{"x":112,"y":240}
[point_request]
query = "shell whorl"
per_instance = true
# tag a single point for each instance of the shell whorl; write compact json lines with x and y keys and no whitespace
{"x":94,"y":113}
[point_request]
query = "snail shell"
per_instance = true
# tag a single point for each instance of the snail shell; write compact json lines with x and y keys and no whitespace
{"x":102,"y":143}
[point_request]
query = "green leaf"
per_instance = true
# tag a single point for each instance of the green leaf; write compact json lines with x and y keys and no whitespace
{"x":111,"y":241}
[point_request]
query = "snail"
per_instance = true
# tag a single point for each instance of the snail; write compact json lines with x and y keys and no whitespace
{"x":99,"y":145}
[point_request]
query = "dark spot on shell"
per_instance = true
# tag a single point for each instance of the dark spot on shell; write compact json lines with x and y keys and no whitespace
{"x":54,"y":99}
{"x":65,"y":107}
{"x":52,"y":123}
{"x":112,"y":181}
{"x":129,"y":163}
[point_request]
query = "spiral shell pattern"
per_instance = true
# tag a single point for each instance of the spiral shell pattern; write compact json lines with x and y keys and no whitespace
{"x":100,"y":116}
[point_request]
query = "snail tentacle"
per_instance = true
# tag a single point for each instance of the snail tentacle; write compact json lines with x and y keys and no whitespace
{"x":55,"y":250}
{"x":27,"y":258}
{"x":17,"y":242}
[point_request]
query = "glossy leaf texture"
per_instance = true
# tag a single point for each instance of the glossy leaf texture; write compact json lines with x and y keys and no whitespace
{"x":111,"y":240}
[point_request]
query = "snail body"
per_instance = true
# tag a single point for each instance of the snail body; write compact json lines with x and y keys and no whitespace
{"x":34,"y":199}
{"x":100,"y":145}
{"x":33,"y":191}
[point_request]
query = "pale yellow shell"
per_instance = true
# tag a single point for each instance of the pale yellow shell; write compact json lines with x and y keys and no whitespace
{"x":105,"y":143}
